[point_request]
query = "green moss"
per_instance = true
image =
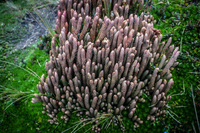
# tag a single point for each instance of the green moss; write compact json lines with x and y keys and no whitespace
{"x":180,"y":21}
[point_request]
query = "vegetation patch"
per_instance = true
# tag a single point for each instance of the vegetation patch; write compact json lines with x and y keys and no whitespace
{"x":20,"y":71}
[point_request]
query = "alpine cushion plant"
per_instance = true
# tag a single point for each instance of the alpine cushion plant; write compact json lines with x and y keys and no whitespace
{"x":103,"y":65}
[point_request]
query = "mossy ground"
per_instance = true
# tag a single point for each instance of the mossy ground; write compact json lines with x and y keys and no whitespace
{"x":176,"y":19}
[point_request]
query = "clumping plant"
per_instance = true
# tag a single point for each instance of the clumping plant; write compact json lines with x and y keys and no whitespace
{"x":103,"y":63}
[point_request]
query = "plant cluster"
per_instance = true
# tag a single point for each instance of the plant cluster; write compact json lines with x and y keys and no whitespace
{"x":107,"y":58}
{"x":181,"y":24}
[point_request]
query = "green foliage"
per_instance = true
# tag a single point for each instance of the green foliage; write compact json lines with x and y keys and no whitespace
{"x":45,"y":44}
{"x":14,"y":77}
{"x":180,"y":20}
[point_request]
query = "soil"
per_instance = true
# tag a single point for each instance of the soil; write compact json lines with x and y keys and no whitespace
{"x":34,"y":24}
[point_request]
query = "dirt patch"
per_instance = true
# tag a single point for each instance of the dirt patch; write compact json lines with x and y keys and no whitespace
{"x":35,"y":24}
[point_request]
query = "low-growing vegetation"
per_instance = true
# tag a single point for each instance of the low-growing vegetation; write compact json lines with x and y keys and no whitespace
{"x":21,"y":69}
